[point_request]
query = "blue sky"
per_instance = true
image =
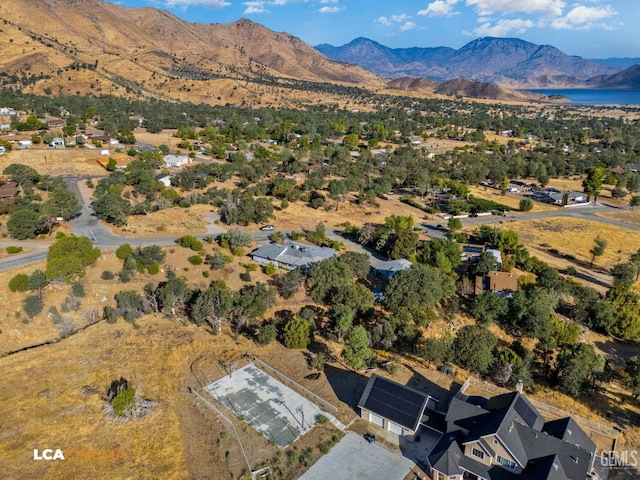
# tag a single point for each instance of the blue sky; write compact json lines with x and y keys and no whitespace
{"x":589,"y":28}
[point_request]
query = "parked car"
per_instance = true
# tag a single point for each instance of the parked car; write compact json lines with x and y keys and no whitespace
{"x":267,"y":228}
{"x":369,"y":438}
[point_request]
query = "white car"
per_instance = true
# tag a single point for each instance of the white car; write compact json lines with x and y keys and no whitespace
{"x":267,"y":228}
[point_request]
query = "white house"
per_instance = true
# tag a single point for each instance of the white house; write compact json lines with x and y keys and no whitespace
{"x":176,"y":160}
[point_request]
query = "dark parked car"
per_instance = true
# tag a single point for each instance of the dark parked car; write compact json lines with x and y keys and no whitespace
{"x":369,"y":438}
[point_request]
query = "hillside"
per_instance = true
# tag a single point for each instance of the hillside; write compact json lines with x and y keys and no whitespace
{"x":91,"y":46}
{"x":508,"y":61}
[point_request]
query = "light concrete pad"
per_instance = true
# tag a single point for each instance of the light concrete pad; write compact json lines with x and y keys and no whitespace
{"x":271,"y":407}
{"x":354,"y":458}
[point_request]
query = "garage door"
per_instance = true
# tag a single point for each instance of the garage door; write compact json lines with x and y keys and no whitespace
{"x":393,"y":428}
{"x":375,"y":419}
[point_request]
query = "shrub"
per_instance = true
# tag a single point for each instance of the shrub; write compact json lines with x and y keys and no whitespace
{"x":216,"y":261}
{"x":154,"y":268}
{"x":245,"y":276}
{"x":124,"y":401}
{"x":252,"y":267}
{"x":195,"y":260}
{"x":238,"y":251}
{"x":32,"y":305}
{"x":321,"y":420}
{"x":526,"y":204}
{"x":124,"y":277}
{"x":270,"y":269}
{"x":124,"y":251}
{"x":78,"y":290}
{"x":13,"y":249}
{"x":267,"y":333}
{"x":19,"y":283}
{"x":110,"y":314}
{"x":107,"y":275}
{"x":189,"y":241}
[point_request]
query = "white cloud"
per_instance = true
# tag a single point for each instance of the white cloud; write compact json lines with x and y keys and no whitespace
{"x":407,"y":26}
{"x":254,"y":7}
{"x":384,"y":21}
{"x":439,"y":8}
{"x":585,"y":18}
{"x":400,"y":18}
{"x":190,"y":3}
{"x":548,"y":8}
{"x":503,"y":28}
{"x":329,"y":9}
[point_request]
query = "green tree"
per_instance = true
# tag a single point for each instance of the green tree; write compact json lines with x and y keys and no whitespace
{"x":23,"y":174}
{"x":473,"y":348}
{"x":488,"y":307}
{"x":69,"y":256}
{"x":504,"y":365}
{"x":356,"y":348}
{"x":325,"y":275}
{"x":417,"y":290}
{"x":296,"y":334}
{"x":526,"y":205}
{"x":37,"y":281}
{"x":342,"y":319}
{"x":19,"y":283}
{"x":288,"y":284}
{"x":123,"y":251}
{"x":337,"y":190}
{"x":62,"y":203}
{"x":634,"y":201}
{"x":593,"y":183}
{"x":632,"y":382}
{"x":598,"y":249}
{"x":112,"y":164}
{"x":25,"y":223}
{"x":112,"y":208}
{"x":358,"y":263}
{"x":624,"y":274}
{"x":579,"y":365}
{"x":32,"y":306}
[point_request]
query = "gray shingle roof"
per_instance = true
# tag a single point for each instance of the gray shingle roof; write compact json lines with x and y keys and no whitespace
{"x":293,"y":254}
{"x":548,"y":451}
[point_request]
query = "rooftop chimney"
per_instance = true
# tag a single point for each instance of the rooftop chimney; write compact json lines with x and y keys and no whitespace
{"x":519,"y":386}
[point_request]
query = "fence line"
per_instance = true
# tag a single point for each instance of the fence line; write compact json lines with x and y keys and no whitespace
{"x":287,"y":381}
{"x":597,"y":427}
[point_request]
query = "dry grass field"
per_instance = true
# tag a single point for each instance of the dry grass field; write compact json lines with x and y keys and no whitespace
{"x":63,"y":162}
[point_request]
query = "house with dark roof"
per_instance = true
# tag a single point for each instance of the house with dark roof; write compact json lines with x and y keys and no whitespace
{"x":506,"y":438}
{"x":9,"y":189}
{"x":394,"y":407}
{"x":292,"y":255}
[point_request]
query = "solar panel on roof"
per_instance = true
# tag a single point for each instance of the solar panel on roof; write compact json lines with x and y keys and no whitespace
{"x":526,"y":413}
{"x":395,"y":403}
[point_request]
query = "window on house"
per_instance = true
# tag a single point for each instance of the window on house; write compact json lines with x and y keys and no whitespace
{"x":477,"y":453}
{"x":506,"y":462}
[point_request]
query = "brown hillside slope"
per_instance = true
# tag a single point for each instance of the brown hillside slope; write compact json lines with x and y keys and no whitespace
{"x":93,"y":46}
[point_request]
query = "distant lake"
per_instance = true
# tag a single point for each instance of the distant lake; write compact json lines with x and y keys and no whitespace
{"x":595,"y":97}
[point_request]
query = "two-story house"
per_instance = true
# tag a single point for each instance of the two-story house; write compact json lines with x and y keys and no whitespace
{"x":505,"y":438}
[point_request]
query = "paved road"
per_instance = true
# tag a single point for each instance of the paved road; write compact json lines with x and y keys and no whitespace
{"x":86,"y":224}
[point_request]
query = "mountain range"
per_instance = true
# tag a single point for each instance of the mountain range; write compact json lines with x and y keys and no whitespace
{"x":510,"y":62}
{"x":96,"y":47}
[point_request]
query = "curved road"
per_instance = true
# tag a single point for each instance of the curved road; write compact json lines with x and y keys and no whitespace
{"x":86,"y":224}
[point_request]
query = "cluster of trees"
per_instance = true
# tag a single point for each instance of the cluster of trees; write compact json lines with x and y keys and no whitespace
{"x":43,"y":202}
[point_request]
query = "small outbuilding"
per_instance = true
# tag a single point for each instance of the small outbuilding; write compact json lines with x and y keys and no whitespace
{"x":396,"y":408}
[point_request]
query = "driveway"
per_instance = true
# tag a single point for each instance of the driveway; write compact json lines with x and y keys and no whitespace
{"x":355,"y":458}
